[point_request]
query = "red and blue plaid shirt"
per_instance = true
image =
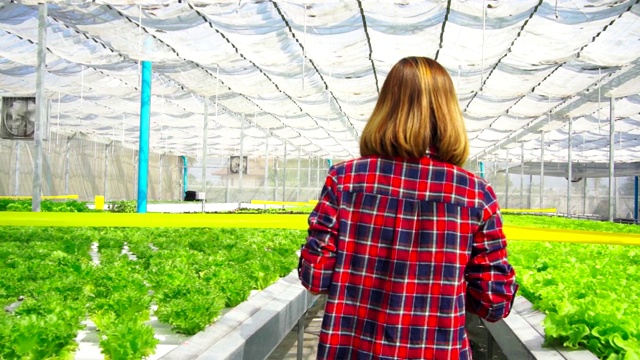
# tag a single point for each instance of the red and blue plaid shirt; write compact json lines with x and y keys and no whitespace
{"x":403,"y":248}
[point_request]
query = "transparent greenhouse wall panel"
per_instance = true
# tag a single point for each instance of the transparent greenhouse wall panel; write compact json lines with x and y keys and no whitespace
{"x":223,"y":185}
{"x":86,"y":170}
{"x":592,"y":201}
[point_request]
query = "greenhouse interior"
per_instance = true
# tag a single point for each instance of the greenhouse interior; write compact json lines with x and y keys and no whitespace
{"x":141,"y":142}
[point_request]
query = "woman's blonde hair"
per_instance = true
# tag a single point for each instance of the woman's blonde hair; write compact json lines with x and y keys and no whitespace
{"x":417,"y":111}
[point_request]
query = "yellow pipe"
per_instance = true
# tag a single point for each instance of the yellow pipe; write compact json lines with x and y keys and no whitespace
{"x":546,"y":210}
{"x":278,"y":221}
{"x":46,"y":197}
{"x":294,"y":203}
{"x":283,"y":221}
{"x":571,"y":236}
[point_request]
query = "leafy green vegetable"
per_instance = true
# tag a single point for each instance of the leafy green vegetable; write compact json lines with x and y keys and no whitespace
{"x":590,"y":293}
{"x":189,"y":274}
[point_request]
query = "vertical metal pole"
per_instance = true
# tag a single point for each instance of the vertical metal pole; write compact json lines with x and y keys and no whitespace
{"x":612,"y":211}
{"x":530,"y":191}
{"x":205,"y":148}
{"x":489,"y":354}
{"x":160,"y":171}
{"x":226,"y":190}
{"x":242,"y":164}
{"x":298,"y":189}
{"x":522,"y":174}
{"x":541,"y":169}
{"x":275,"y":177}
{"x":266,"y":167}
{"x":309,"y":172}
{"x":135,"y":170}
{"x":143,"y":147}
{"x":184,"y":177}
{"x":67,"y":165}
{"x":318,"y":184}
{"x":106,"y":169}
{"x":284,"y":174}
{"x":40,"y":108}
{"x":635,"y":199}
{"x":300,"y":336}
{"x":16,"y":184}
{"x":584,"y":197}
{"x":506,"y":183}
{"x":494,"y":163}
{"x":569,"y":166}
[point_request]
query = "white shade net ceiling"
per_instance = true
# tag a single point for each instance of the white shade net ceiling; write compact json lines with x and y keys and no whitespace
{"x":307,"y":73}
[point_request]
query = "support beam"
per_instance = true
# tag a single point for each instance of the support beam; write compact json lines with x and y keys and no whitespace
{"x":299,"y":180}
{"x":16,"y":183}
{"x":184,"y":176}
{"x":522,"y":174}
{"x":41,"y":112}
{"x":67,"y":163}
{"x":584,"y":196}
{"x":205,"y":148}
{"x":143,"y":147}
{"x":284,"y":173}
{"x":242,"y":164}
{"x":275,"y":173}
{"x":612,"y":210}
{"x":635,"y":199}
{"x":266,"y":167}
{"x":309,"y":171}
{"x":530,"y":191}
{"x":160,"y":175}
{"x":227,"y":180}
{"x":569,"y":166}
{"x":506,"y":182}
{"x":541,"y":169}
{"x":319,"y":184}
{"x":106,"y":170}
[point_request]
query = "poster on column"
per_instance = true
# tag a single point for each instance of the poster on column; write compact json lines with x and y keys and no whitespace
{"x":18,"y":115}
{"x":237,"y":163}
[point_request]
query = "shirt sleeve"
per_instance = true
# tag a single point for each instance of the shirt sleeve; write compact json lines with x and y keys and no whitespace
{"x":318,"y":255}
{"x":491,"y":285}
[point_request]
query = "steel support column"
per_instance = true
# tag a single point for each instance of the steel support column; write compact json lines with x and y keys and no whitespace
{"x":41,"y":112}
{"x":612,"y":210}
{"x":541,"y":169}
{"x":569,"y":166}
{"x":143,"y":147}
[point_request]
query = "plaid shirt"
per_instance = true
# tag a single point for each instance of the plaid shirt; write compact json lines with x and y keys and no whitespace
{"x":403,"y":248}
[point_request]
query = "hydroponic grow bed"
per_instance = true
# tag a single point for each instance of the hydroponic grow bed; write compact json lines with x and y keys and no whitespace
{"x":189,"y":274}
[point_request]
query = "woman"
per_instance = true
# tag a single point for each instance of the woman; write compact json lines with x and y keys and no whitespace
{"x":403,"y":240}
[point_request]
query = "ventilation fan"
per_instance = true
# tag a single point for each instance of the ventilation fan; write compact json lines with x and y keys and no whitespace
{"x":237,"y":163}
{"x":18,"y":118}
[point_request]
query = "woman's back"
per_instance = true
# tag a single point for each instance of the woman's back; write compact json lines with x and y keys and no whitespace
{"x":404,"y":244}
{"x":406,"y":235}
